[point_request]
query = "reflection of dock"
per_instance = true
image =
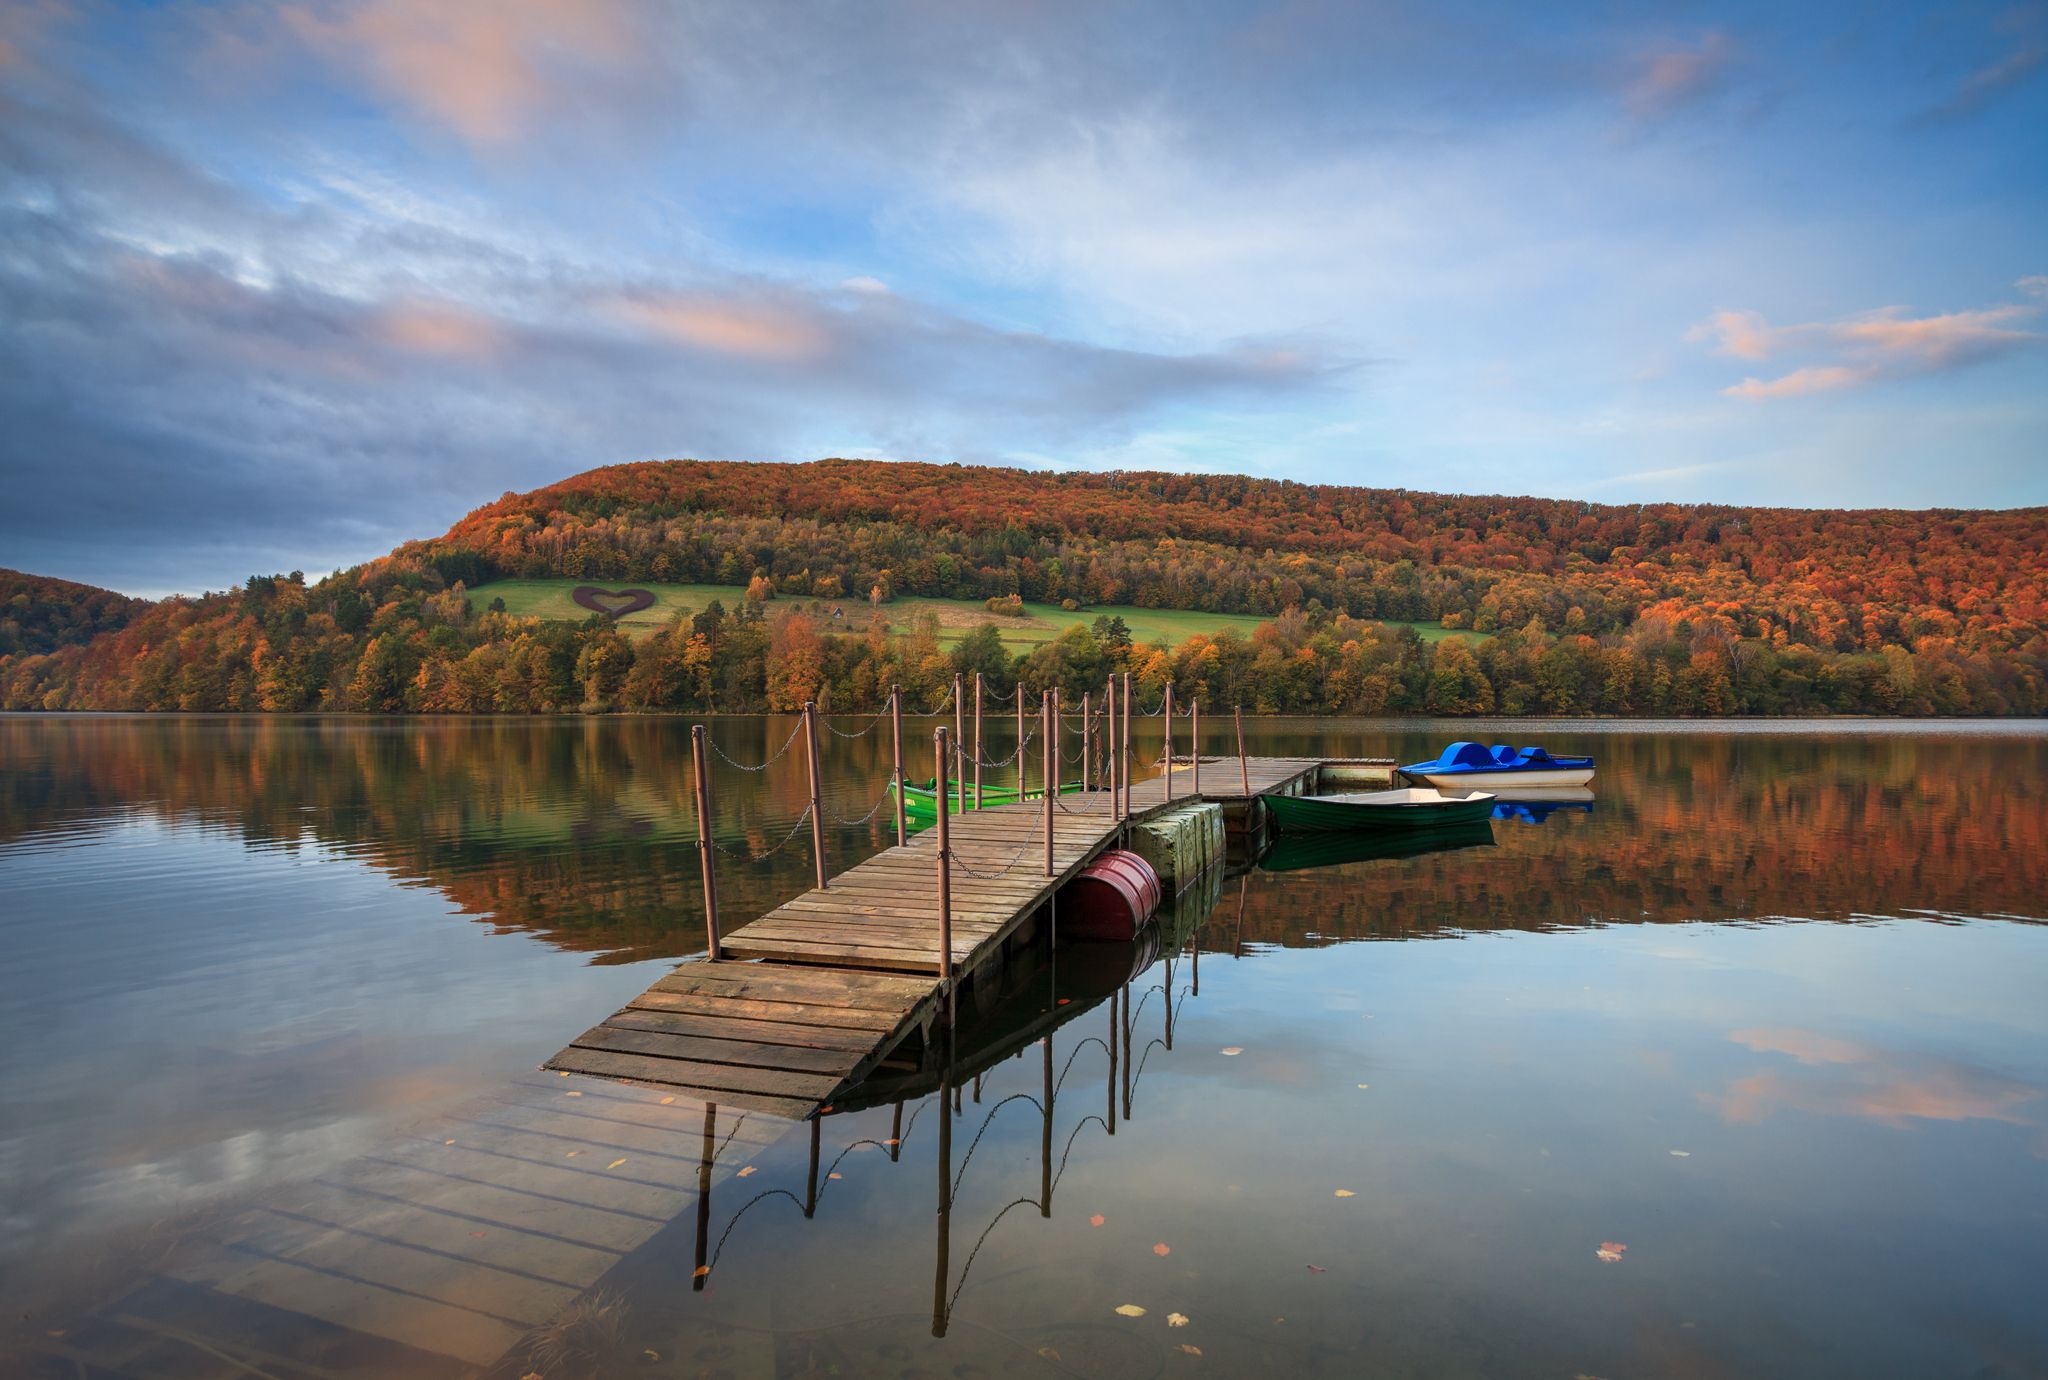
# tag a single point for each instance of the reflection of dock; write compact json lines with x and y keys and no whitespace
{"x":816,"y":993}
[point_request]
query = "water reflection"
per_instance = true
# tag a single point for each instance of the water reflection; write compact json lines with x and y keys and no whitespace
{"x":246,"y":958}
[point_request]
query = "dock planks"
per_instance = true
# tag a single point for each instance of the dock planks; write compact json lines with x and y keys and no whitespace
{"x":810,"y":997}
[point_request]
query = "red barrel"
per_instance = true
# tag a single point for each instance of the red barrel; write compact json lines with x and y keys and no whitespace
{"x":1111,"y":898}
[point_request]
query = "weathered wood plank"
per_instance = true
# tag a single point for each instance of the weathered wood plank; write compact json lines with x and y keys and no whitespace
{"x":799,"y":1094}
{"x":738,"y":1053}
{"x":852,"y":1018}
{"x":728,"y":1027}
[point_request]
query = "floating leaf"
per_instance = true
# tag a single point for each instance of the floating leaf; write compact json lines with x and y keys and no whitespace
{"x":1610,"y":1251}
{"x":746,"y":1171}
{"x":666,"y":1100}
{"x":1346,"y":1193}
{"x":565,"y":1073}
{"x":1096,"y":1220}
{"x":1317,"y":1269}
{"x":447,"y":1142}
{"x":831,"y":1176}
{"x":476,"y":1233}
{"x":614,"y":1164}
{"x":1683,"y":1154}
{"x":1363,"y":1086}
{"x":1176,"y":1320}
{"x":574,"y":1153}
{"x":701,"y":1271}
{"x":1065,"y":1000}
{"x":650,"y":1356}
{"x":1191,"y":1350}
{"x":1049,"y":1353}
{"x":1162,"y":1249}
{"x":574,"y":1093}
{"x":892,"y":1141}
{"x":1234,"y":1050}
{"x":1130,"y":1310}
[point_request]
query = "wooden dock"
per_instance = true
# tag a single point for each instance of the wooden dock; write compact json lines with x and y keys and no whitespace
{"x":815,"y":994}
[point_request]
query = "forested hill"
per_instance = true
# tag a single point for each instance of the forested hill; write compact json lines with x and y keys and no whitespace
{"x":1586,"y":608}
{"x":1229,"y":544}
{"x":39,"y":614}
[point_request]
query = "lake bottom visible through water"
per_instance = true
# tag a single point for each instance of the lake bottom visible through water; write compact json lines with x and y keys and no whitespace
{"x":1740,"y":1070}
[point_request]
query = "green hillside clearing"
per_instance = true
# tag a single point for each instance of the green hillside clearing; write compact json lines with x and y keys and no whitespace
{"x":550,"y":599}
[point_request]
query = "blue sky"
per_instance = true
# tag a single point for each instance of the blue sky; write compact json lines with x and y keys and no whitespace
{"x":284,"y":285}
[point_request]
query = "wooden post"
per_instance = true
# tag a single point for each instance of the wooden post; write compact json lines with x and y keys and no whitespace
{"x":960,"y":737}
{"x":705,"y":848}
{"x":896,"y":744}
{"x":1244,"y":770}
{"x":1116,"y":804}
{"x":939,"y":751}
{"x":1019,"y":693}
{"x":1124,"y":758}
{"x":1087,"y":734}
{"x":1045,"y":732}
{"x":896,"y":1133}
{"x":977,"y":740}
{"x":1166,"y":720}
{"x":817,"y":796}
{"x":1195,"y":743}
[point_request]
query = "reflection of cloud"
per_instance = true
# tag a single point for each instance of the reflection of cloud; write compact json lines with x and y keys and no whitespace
{"x":1864,"y":1081}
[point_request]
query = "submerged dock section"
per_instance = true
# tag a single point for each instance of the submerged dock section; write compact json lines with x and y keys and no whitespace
{"x":788,"y":1010}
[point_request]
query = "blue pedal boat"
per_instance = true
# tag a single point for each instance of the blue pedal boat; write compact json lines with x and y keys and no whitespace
{"x":1500,"y":767}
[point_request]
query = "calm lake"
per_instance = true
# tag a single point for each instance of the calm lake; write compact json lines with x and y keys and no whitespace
{"x":1739,"y":1070}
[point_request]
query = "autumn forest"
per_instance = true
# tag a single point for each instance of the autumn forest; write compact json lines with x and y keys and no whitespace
{"x":1572,"y":608}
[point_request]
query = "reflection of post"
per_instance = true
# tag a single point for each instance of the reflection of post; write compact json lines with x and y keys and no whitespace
{"x":704,"y":1194}
{"x":1127,"y":1051}
{"x":1166,"y":726}
{"x":1110,"y":1120}
{"x":1195,"y":742}
{"x":1237,"y":947}
{"x":896,"y":1133}
{"x":945,"y":873}
{"x":1166,"y":988}
{"x":811,"y":1182}
{"x":704,"y":844}
{"x":945,"y":1194}
{"x":1195,"y":962}
{"x":977,"y":740}
{"x":817,"y":800}
{"x":896,"y":740}
{"x":1045,"y":1138}
{"x":1244,"y":768}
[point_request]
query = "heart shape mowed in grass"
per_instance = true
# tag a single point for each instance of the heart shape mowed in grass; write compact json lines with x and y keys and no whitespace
{"x":612,"y":603}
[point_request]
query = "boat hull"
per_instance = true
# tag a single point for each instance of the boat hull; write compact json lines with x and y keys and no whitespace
{"x":1504,"y":780}
{"x":1308,"y":814}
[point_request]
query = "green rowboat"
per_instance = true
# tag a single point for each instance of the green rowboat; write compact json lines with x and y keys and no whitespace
{"x":921,"y":800}
{"x":1413,"y":808}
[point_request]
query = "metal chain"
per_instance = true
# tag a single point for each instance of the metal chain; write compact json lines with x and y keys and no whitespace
{"x":945,"y":703}
{"x":887,"y":794}
{"x":1016,"y":857}
{"x":763,"y":857}
{"x":873,"y":724}
{"x":723,"y":756}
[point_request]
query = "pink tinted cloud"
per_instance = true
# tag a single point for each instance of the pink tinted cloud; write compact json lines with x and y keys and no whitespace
{"x":754,"y":328}
{"x":1883,"y":344}
{"x":1676,"y":76}
{"x":490,"y":69}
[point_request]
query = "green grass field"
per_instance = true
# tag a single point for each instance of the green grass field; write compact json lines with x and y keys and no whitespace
{"x":550,"y":599}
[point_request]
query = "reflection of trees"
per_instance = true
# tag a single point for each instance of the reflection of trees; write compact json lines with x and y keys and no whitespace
{"x":582,"y":831}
